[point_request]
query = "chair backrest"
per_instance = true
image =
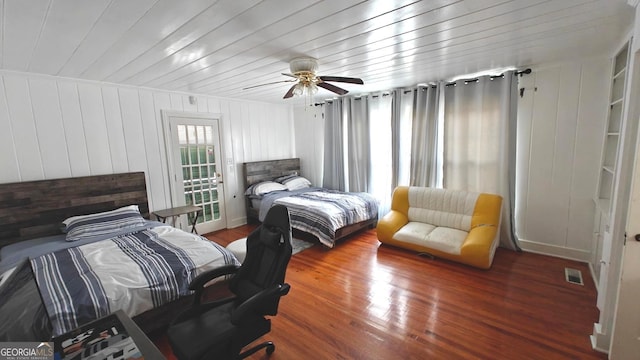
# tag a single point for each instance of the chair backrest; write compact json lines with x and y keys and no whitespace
{"x":268,"y":253}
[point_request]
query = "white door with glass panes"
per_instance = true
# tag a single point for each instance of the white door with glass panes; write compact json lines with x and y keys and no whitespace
{"x":195,"y":167}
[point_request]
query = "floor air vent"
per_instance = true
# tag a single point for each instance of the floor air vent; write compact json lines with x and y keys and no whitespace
{"x":573,"y":276}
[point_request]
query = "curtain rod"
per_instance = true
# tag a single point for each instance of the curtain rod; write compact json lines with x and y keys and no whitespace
{"x":466,"y":81}
{"x":520,"y":73}
{"x":421,"y":87}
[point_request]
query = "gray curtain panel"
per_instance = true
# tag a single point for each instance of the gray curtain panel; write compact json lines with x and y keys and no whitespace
{"x":456,"y":137}
{"x":510,"y":229}
{"x":396,"y":135}
{"x":380,"y":137}
{"x":333,"y":173}
{"x":425,"y":164}
{"x":358,"y":144}
{"x":479,"y":142}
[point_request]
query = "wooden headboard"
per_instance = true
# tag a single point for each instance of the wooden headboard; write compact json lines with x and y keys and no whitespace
{"x":257,"y":171}
{"x":33,"y":209}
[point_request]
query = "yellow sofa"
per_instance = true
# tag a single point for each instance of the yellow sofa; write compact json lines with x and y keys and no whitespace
{"x":457,"y":225}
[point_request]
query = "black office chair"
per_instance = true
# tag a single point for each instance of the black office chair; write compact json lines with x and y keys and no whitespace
{"x":221,"y":329}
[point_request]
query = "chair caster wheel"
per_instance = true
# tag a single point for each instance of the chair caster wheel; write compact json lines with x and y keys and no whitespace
{"x":270,"y":349}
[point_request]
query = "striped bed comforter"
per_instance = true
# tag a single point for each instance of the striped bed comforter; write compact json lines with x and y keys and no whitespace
{"x":134,"y":272}
{"x":322,"y":212}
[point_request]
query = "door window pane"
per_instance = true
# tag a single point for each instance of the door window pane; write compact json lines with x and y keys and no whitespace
{"x":202,"y":153}
{"x":211,"y":156}
{"x":184,"y":155}
{"x":207,"y":212}
{"x":193,"y":151}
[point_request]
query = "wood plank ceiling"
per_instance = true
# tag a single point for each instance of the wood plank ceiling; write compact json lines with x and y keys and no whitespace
{"x":219,"y":47}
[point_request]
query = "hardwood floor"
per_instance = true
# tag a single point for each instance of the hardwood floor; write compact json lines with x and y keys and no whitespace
{"x":362,"y":300}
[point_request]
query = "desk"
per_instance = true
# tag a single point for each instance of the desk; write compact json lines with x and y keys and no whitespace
{"x":162,"y":215}
{"x":80,"y":336}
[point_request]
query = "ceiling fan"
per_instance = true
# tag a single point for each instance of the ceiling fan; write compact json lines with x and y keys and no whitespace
{"x":303,"y":72}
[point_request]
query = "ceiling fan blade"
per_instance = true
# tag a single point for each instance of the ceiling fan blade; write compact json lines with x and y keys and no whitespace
{"x":291,"y":75}
{"x":343,"y":79}
{"x":290,"y":92}
{"x":332,"y":88}
{"x":271,"y":83}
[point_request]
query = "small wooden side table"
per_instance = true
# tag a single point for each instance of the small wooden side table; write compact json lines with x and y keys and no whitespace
{"x":175,"y":212}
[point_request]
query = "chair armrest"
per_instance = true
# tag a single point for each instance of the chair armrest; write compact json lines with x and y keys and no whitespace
{"x":257,"y":301}
{"x":390,"y":224}
{"x":201,"y":280}
{"x":477,"y":246}
{"x":198,"y":285}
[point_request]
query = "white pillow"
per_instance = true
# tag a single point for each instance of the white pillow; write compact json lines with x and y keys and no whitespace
{"x":83,"y":226}
{"x":266,"y":187}
{"x":296,"y":182}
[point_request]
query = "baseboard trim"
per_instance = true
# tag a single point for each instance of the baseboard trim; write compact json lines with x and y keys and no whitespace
{"x":236,"y":222}
{"x":554,"y":250}
{"x":599,"y":341}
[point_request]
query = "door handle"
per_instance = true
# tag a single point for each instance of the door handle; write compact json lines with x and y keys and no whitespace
{"x":637,"y":237}
{"x":219,"y":178}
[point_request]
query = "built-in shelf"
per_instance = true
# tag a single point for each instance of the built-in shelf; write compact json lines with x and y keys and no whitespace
{"x":605,"y":238}
{"x":619,"y":73}
{"x":616,"y":101}
{"x":615,"y":118}
{"x":603,"y":205}
{"x":613,"y":129}
{"x":617,"y":89}
{"x":620,"y":61}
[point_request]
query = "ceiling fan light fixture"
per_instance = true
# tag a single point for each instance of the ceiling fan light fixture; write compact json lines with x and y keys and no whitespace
{"x":303,"y":72}
{"x":312,"y":89}
{"x":306,"y":64}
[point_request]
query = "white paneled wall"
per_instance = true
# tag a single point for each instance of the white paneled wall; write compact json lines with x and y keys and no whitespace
{"x":58,"y":127}
{"x":560,"y":132}
{"x":309,"y":128}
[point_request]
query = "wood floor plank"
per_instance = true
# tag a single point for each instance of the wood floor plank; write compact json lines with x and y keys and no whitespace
{"x":363,"y":300}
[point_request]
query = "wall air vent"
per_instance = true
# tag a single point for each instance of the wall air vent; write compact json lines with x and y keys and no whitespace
{"x":573,"y":276}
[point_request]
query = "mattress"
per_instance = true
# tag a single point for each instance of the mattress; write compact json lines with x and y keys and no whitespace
{"x":323,"y":212}
{"x":135,"y":272}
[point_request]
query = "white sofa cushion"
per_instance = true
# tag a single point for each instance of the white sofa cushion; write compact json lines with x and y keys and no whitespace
{"x":439,"y":238}
{"x":447,"y":240}
{"x":414,"y":233}
{"x":440,"y":207}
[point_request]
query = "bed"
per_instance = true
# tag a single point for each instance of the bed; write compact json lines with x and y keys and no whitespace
{"x":326,"y":214}
{"x":117,"y":259}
